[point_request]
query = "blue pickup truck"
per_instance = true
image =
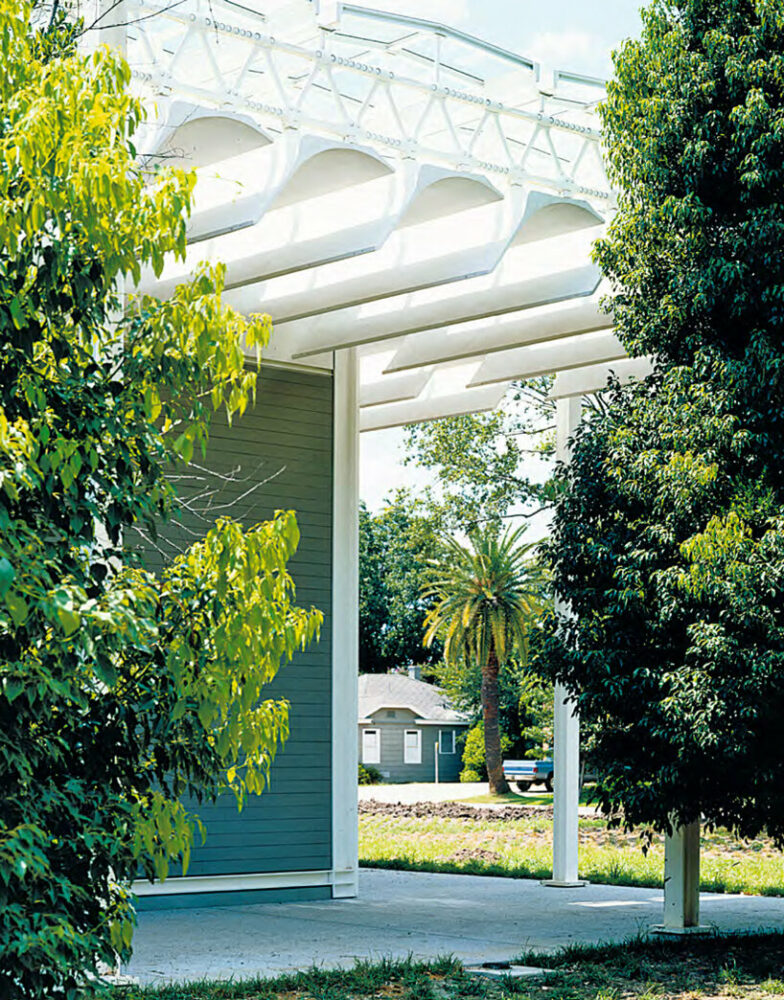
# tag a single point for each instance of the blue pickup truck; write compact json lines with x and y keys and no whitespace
{"x":524,"y":773}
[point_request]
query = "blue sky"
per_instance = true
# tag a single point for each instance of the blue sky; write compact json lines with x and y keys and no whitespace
{"x":577,"y":35}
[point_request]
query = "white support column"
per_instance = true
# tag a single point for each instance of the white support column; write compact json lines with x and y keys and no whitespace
{"x":566,"y":723}
{"x":345,"y":624}
{"x":682,"y":882}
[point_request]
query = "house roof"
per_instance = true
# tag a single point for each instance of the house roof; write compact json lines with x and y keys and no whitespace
{"x":380,"y":691}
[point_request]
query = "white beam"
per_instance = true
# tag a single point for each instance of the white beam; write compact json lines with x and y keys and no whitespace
{"x":314,"y":231}
{"x":529,"y":362}
{"x":497,"y":333}
{"x":398,"y":414}
{"x":530,"y":275}
{"x":429,"y":310}
{"x":394,"y":389}
{"x":440,"y":250}
{"x":235,"y":192}
{"x":593,"y":378}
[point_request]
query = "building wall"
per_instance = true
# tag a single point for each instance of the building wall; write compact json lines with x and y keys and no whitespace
{"x":284,"y":444}
{"x":392,"y":765}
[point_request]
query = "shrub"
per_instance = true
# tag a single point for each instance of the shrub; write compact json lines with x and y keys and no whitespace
{"x":369,"y":775}
{"x":474,"y":753}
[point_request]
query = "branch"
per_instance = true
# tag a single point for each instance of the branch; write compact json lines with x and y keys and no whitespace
{"x":203,"y":512}
{"x":125,"y":24}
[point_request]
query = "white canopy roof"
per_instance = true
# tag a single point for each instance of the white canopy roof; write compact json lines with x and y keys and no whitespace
{"x":377,"y":182}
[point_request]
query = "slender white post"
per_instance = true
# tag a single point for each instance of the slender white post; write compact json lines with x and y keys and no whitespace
{"x":682,"y":882}
{"x":566,"y":723}
{"x":345,"y":625}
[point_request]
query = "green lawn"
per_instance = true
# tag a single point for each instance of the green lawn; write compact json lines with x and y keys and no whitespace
{"x":739,"y":968}
{"x":527,"y":799}
{"x":522,"y":848}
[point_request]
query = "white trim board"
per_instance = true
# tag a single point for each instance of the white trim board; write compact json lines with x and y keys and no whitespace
{"x":236,"y":883}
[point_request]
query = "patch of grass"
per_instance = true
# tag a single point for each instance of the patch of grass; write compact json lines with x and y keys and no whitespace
{"x":511,"y":798}
{"x":407,"y":979}
{"x":526,"y":799}
{"x":522,"y":848}
{"x":730,"y":967}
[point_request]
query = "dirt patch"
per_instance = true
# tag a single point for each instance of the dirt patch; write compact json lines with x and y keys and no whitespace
{"x":454,"y":810}
{"x":466,"y":854}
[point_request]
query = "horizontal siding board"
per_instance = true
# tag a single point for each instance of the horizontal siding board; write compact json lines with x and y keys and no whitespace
{"x":283,"y":446}
{"x":273,"y":861}
{"x":241,"y":897}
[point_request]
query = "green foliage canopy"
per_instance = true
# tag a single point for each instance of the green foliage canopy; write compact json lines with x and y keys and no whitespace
{"x":667,"y":541}
{"x":488,"y":466}
{"x":119,"y":692}
{"x":395,"y":547}
{"x":693,"y":130}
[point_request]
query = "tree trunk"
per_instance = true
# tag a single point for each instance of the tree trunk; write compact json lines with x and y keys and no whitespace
{"x":495,"y":771}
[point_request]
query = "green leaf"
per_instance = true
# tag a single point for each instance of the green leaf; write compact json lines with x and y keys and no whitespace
{"x":7,"y":575}
{"x":12,"y":688}
{"x":70,"y":620}
{"x":15,"y":308}
{"x":17,"y":606}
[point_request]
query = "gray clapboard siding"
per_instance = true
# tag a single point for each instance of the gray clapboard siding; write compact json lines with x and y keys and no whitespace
{"x":392,"y":765}
{"x":286,"y":438}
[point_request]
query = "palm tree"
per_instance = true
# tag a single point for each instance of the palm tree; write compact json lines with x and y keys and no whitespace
{"x":487,"y":594}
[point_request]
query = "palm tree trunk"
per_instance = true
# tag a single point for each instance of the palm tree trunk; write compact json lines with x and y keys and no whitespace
{"x":495,"y":771}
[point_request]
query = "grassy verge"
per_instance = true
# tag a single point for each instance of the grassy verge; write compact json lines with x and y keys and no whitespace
{"x":522,"y":848}
{"x":741,"y":968}
{"x":526,"y":799}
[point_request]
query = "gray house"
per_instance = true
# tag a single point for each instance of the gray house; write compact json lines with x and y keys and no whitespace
{"x":407,"y":729}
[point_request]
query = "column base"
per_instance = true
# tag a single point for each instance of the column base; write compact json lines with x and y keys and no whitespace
{"x":553,"y":883}
{"x":664,"y":931}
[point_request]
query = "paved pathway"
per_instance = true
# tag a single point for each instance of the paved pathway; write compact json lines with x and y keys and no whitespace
{"x":423,"y":792}
{"x":476,"y":918}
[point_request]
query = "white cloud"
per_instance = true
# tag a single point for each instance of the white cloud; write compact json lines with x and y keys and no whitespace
{"x":580,"y":51}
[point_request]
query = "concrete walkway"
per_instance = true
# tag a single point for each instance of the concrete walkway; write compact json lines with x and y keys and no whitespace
{"x":414,"y":791}
{"x":475,"y":918}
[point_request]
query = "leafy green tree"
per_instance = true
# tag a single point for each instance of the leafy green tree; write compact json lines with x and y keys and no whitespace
{"x":488,"y":466}
{"x":667,"y":542}
{"x":119,"y":691}
{"x":395,"y":547}
{"x":487,"y":594}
